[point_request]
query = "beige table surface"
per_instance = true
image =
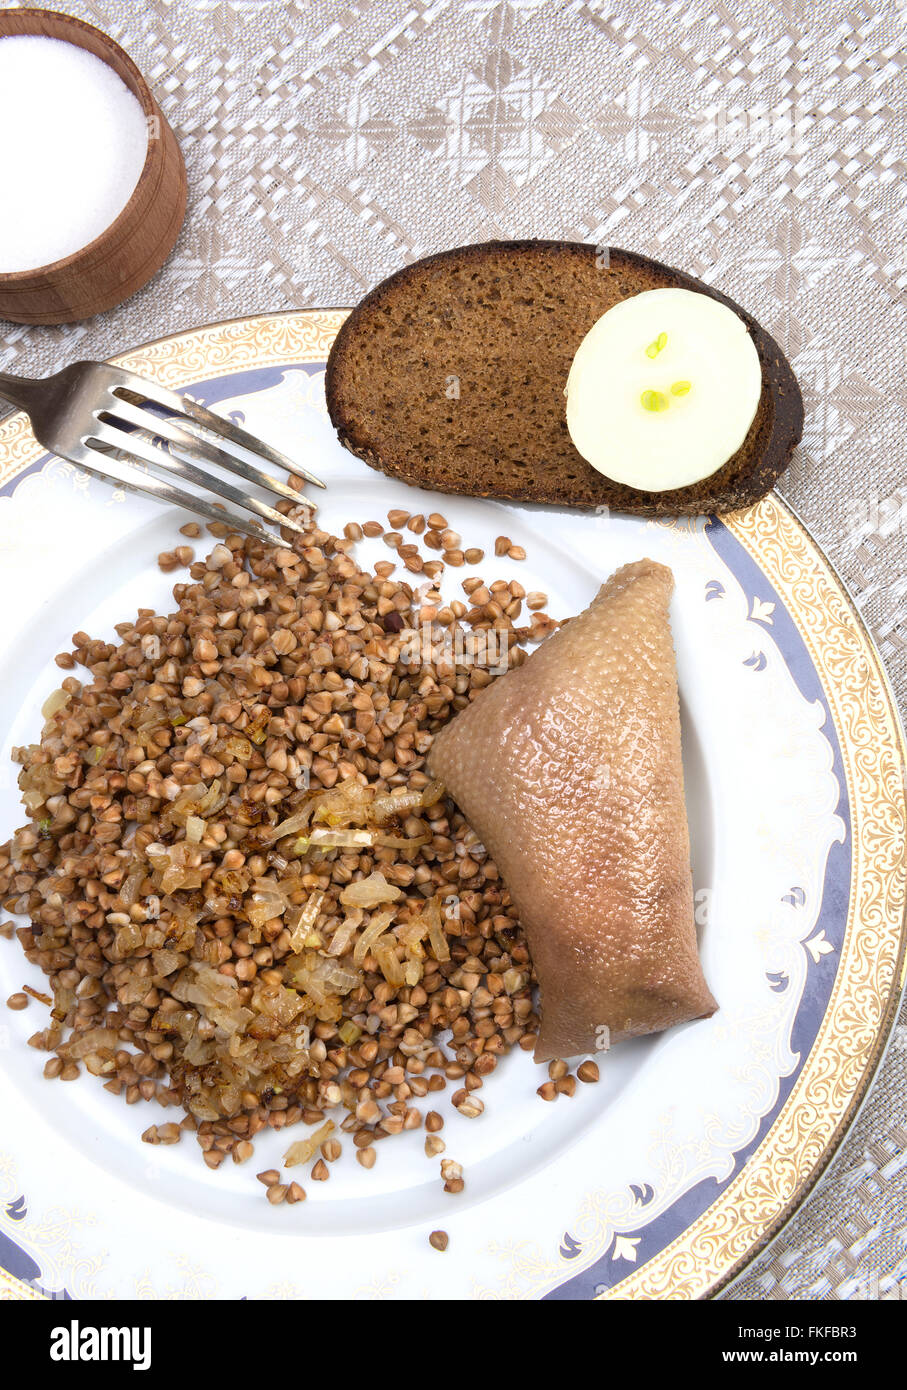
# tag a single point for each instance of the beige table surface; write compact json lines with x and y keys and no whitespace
{"x":760,"y":146}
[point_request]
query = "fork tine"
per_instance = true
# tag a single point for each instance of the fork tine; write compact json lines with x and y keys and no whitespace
{"x":147,"y":485}
{"x":217,"y":424}
{"x":132,"y":445}
{"x":200,"y":448}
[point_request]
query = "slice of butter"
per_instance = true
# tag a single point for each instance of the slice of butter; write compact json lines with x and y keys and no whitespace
{"x":663,"y":389}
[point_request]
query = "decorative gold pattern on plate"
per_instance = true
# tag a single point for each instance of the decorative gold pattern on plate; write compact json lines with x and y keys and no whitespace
{"x":863,"y":1003}
{"x":13,"y":1288}
{"x":851,"y":1038}
{"x":272,"y":340}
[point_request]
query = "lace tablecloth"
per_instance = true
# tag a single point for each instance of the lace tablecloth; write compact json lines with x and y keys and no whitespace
{"x":758,"y":145}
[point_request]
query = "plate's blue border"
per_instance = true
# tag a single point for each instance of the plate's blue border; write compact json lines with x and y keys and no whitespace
{"x":208,"y":392}
{"x":653,"y":1236}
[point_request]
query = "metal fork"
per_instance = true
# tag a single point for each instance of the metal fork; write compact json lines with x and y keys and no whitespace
{"x":93,"y":415}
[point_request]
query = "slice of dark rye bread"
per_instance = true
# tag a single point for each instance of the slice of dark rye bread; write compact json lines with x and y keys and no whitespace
{"x":451,"y":374}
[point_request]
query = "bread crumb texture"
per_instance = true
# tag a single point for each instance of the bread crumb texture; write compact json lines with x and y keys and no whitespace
{"x":451,"y":375}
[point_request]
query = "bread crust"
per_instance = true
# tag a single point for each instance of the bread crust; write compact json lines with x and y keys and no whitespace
{"x":741,"y":481}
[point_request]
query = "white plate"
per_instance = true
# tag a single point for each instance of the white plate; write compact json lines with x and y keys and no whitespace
{"x":672,"y":1172}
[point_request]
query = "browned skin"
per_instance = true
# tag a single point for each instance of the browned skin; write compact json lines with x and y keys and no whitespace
{"x":569,"y":770}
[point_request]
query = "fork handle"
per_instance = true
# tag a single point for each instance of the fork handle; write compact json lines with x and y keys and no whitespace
{"x":20,"y":391}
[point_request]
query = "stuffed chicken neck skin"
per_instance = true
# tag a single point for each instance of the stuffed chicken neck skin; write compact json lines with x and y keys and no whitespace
{"x":569,"y":770}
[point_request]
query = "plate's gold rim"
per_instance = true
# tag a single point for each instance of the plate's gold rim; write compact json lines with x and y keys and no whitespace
{"x":899,"y":982}
{"x":699,"y":1264}
{"x":285,"y":337}
{"x":259,"y":340}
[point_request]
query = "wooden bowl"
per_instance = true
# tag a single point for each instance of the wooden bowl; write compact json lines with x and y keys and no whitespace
{"x":126,"y":255}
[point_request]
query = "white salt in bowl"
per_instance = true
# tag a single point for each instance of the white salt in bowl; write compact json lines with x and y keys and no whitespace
{"x":126,"y":254}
